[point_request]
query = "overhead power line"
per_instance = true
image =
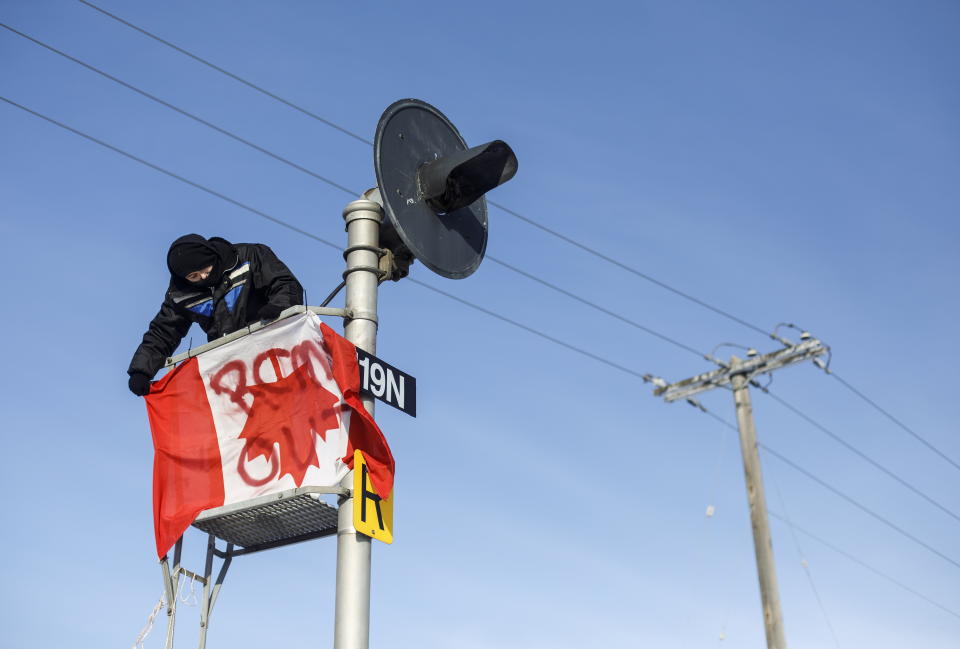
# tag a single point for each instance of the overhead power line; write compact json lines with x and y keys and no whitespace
{"x":835,"y":490}
{"x":533,"y":330}
{"x":346,"y":190}
{"x":855,"y":559}
{"x":899,"y":423}
{"x":537,"y":224}
{"x":489,"y":312}
{"x":857,"y":504}
{"x":850,"y":447}
{"x":346,"y":131}
{"x":183,"y":112}
{"x":294,"y":228}
{"x":601,"y":309}
{"x":507,"y":210}
{"x":627,"y":267}
{"x":496,"y":260}
{"x":233,"y":76}
{"x":167,"y":172}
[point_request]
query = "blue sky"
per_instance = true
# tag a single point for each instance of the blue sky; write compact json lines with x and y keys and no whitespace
{"x":784,"y":162}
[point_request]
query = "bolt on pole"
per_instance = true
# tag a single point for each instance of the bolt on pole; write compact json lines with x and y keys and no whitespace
{"x":352,"y":617}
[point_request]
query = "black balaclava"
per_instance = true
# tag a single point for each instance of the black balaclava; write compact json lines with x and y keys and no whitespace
{"x":191,"y":253}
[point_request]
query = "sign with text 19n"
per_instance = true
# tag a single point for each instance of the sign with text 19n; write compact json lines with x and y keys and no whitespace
{"x":387,"y":383}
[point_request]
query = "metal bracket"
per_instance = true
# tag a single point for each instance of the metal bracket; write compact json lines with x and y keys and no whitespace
{"x":370,"y":269}
{"x":388,"y":265}
{"x":256,"y":326}
{"x":395,"y":264}
{"x":749,"y":368}
{"x":171,"y":582}
{"x":356,"y":314}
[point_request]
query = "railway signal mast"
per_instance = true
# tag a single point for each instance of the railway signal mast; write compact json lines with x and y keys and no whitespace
{"x":738,"y":375}
{"x":428,"y":205}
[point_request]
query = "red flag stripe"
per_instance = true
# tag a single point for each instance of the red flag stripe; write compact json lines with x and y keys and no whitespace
{"x":187,"y":472}
{"x":364,"y":433}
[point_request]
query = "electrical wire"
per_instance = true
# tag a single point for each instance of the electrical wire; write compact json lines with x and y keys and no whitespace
{"x":599,"y":308}
{"x":837,"y":492}
{"x":626,"y":267}
{"x":836,"y":549}
{"x":479,"y":308}
{"x":486,"y":311}
{"x":532,"y":330}
{"x":858,"y":452}
{"x":492,"y":258}
{"x":202,"y":188}
{"x":899,"y":423}
{"x":857,"y":504}
{"x":830,"y":372}
{"x":503,"y":208}
{"x":344,"y":189}
{"x":294,"y":228}
{"x":229,"y":74}
{"x":862,"y":563}
{"x":183,"y":112}
{"x":532,"y":222}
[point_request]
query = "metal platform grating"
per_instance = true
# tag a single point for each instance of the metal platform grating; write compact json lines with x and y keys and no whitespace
{"x":265,"y":523}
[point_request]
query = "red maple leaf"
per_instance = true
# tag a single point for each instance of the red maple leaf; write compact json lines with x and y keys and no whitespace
{"x":289,"y":412}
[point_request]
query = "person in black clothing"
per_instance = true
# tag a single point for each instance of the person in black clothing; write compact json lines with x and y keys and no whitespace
{"x":221,"y":286}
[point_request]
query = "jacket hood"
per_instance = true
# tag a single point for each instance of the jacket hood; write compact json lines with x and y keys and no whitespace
{"x":215,"y":251}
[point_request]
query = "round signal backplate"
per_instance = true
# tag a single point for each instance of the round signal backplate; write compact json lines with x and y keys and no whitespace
{"x":411,"y":133}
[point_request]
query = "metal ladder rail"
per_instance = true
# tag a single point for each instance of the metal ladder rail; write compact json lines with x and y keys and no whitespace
{"x":171,"y":582}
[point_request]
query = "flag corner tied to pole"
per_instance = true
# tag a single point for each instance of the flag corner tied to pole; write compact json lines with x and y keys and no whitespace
{"x":275,"y":410}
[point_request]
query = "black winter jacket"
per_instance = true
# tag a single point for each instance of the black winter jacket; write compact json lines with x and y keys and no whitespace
{"x":256,"y":277}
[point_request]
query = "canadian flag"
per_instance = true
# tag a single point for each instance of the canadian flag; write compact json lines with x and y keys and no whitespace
{"x":274,"y":410}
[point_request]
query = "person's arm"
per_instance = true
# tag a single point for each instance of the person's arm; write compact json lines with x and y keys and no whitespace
{"x":278,"y":282}
{"x":165,"y":332}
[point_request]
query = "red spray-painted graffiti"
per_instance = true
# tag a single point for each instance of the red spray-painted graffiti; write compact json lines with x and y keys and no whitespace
{"x":284,"y":412}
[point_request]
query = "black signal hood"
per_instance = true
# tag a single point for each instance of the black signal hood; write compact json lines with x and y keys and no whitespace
{"x":459,"y":179}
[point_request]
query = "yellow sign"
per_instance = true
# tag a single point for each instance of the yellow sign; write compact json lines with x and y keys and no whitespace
{"x":372,"y":515}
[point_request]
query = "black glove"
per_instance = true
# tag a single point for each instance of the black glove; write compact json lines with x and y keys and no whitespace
{"x":269,"y":311}
{"x":139,"y":384}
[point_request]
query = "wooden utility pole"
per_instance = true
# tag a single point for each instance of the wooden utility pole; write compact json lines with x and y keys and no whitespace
{"x":738,"y":374}
{"x":762,"y":543}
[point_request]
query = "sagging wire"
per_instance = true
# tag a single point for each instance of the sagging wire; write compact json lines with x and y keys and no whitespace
{"x":780,"y":339}
{"x":750,"y":350}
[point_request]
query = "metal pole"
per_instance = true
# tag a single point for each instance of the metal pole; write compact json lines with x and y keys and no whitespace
{"x":172,"y":578}
{"x":352,"y":618}
{"x":171,"y":602}
{"x":762,"y":543}
{"x":205,"y":602}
